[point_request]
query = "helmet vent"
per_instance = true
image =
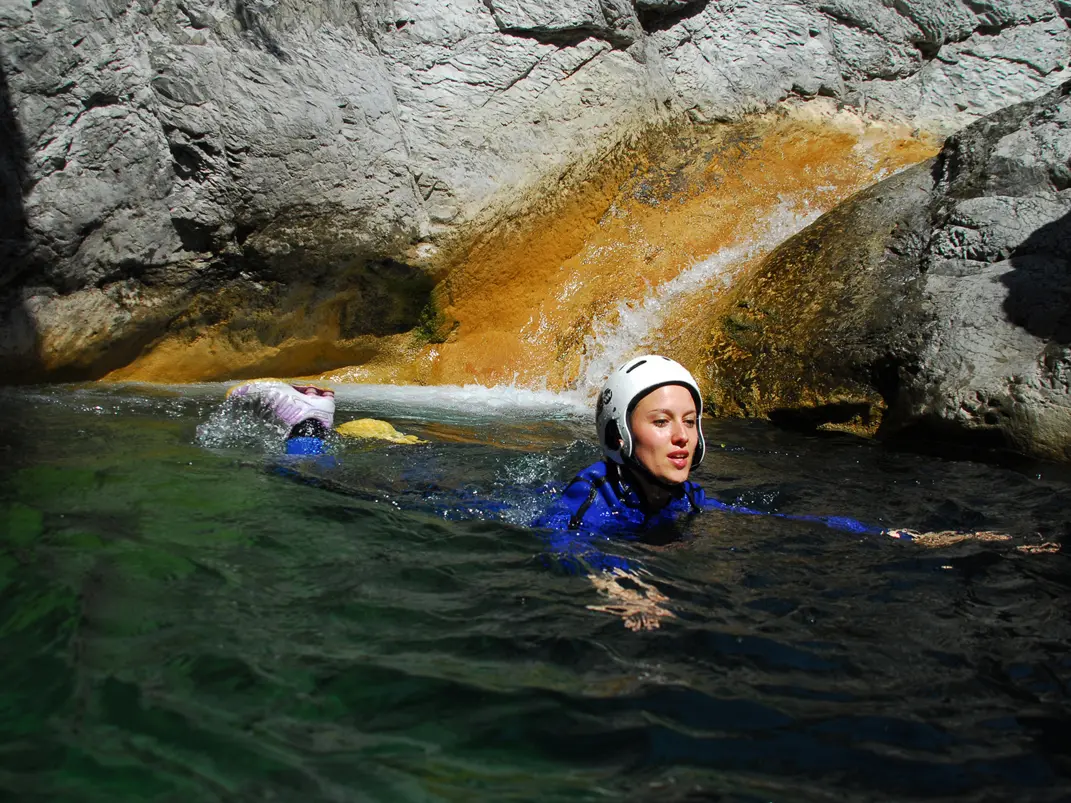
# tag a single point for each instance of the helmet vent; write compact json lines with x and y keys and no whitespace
{"x":632,"y":368}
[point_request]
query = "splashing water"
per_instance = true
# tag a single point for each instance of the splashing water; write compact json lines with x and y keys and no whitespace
{"x":237,"y":424}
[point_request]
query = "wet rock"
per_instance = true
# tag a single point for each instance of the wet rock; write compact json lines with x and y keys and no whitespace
{"x":938,"y":302}
{"x":809,"y":338}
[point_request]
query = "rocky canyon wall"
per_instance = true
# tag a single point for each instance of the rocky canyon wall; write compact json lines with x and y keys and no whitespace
{"x":936,"y":304}
{"x":299,"y":177}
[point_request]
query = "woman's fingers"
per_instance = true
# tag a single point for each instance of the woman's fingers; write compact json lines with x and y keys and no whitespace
{"x":638,"y":607}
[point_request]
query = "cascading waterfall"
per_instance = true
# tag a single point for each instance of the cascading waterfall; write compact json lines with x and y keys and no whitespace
{"x":628,"y":329}
{"x":551,"y":289}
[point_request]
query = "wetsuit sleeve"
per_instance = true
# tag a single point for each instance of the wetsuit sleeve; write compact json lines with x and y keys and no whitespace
{"x":844,"y":524}
{"x":841,"y":523}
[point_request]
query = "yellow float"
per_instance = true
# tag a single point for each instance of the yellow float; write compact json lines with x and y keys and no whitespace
{"x":374,"y":428}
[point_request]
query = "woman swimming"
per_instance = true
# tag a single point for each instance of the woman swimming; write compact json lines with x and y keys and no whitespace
{"x":648,"y":423}
{"x":648,"y":420}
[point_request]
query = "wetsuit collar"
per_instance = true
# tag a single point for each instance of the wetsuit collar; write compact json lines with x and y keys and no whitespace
{"x":654,"y":494}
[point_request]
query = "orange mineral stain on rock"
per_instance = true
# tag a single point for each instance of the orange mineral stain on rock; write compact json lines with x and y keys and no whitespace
{"x":531,"y":299}
{"x":214,"y":357}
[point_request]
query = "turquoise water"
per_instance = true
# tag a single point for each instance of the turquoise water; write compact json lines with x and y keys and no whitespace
{"x":180,"y":622}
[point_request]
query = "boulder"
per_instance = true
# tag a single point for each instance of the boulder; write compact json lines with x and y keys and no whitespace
{"x":937,"y":303}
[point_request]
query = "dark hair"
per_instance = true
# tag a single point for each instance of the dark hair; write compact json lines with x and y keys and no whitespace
{"x":309,"y":428}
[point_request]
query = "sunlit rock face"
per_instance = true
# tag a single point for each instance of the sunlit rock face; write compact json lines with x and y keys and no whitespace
{"x":935,"y":303}
{"x":630,"y":263}
{"x":277,"y":185}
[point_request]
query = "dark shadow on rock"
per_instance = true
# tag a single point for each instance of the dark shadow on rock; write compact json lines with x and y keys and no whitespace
{"x":399,"y":293}
{"x":1039,"y":284}
{"x":570,"y":37}
{"x":661,"y":16}
{"x":809,"y":419}
{"x":12,"y":180}
{"x":19,"y":338}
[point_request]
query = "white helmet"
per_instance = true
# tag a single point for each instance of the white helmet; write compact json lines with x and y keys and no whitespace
{"x":623,"y":391}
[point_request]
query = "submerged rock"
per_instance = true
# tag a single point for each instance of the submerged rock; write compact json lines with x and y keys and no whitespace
{"x":163,"y":153}
{"x":935,"y":303}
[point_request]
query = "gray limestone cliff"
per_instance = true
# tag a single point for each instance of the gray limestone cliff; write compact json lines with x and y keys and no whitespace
{"x":157,"y":155}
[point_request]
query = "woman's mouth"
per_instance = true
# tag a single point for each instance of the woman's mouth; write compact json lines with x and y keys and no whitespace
{"x":679,"y":459}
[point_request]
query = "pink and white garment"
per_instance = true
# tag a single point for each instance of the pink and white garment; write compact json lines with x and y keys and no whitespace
{"x":291,"y":404}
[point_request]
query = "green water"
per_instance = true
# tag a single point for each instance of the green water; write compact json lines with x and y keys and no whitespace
{"x":180,"y":622}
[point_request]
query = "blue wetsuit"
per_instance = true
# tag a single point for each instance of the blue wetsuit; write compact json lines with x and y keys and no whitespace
{"x":606,"y":502}
{"x":305,"y":446}
{"x":604,"y":497}
{"x":303,"y":451}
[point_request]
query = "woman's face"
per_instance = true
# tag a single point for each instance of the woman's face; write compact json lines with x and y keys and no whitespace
{"x":665,"y":432}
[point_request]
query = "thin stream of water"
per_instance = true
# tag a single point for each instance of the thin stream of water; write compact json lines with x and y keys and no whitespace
{"x":626,"y":331}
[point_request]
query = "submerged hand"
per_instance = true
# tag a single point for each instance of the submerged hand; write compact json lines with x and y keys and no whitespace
{"x":950,"y":537}
{"x":945,"y":537}
{"x":638,"y":607}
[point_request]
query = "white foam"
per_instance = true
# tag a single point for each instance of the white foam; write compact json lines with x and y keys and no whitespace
{"x":467,"y":402}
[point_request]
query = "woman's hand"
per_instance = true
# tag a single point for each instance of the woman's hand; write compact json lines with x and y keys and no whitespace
{"x":950,"y":537}
{"x":638,"y":607}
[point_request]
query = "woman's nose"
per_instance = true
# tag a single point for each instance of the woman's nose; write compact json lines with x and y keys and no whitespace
{"x":680,"y":434}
